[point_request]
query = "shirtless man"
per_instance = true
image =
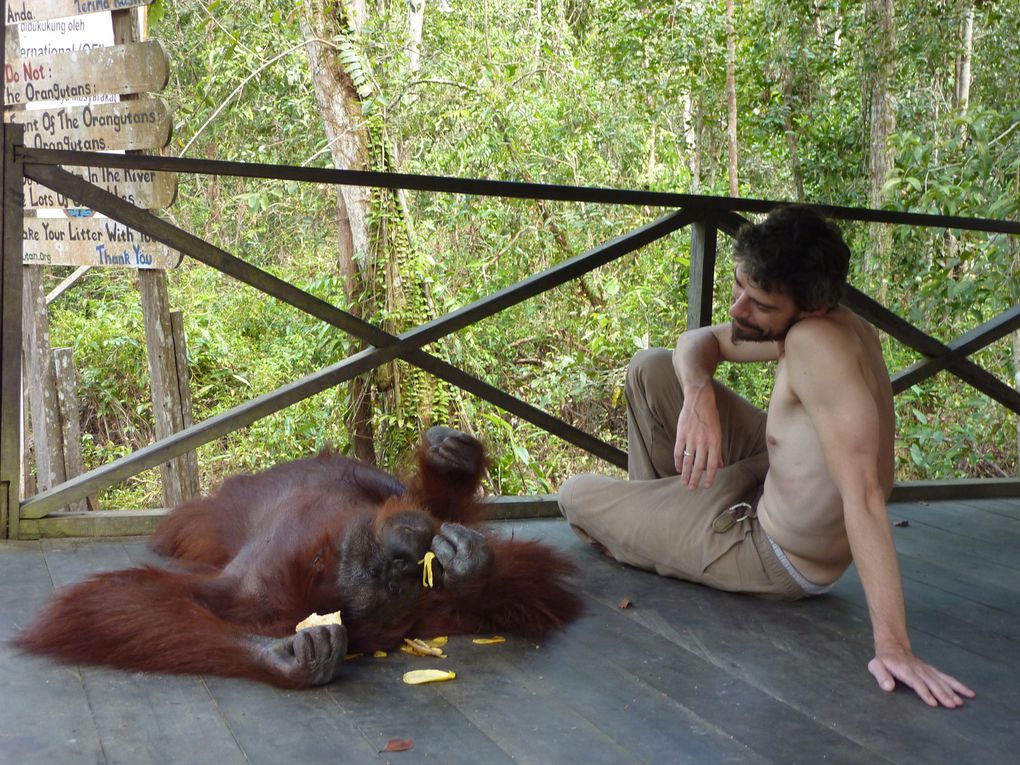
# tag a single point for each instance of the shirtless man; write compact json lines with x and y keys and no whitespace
{"x":781,"y":503}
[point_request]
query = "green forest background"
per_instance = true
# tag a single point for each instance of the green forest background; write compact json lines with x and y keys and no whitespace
{"x":615,"y":93}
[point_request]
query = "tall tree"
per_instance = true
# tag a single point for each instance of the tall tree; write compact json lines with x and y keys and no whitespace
{"x":731,"y":99}
{"x":340,"y":103}
{"x":880,"y":69}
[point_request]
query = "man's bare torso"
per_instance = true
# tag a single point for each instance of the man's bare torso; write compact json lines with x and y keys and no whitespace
{"x":801,"y":508}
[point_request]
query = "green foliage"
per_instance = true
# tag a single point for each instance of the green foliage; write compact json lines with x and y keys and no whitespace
{"x":593,"y":93}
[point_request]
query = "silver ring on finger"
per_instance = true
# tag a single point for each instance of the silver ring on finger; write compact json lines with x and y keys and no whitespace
{"x":688,"y":454}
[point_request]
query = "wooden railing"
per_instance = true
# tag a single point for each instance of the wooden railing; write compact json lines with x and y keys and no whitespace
{"x":706,"y":215}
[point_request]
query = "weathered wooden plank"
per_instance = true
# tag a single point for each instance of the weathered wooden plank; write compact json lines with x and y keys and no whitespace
{"x":190,"y":476}
{"x":45,"y":717}
{"x":534,"y":506}
{"x":70,"y":420}
{"x":145,"y":188}
{"x":42,"y":386}
{"x":718,"y":696}
{"x":649,"y":726}
{"x":274,"y":726}
{"x":21,"y":11}
{"x":957,"y":489}
{"x":374,"y":698}
{"x":122,"y":125}
{"x":541,"y":730}
{"x":92,"y":242}
{"x":99,"y":523}
{"x":780,"y":647}
{"x":119,"y":523}
{"x":1009,"y":508}
{"x":153,"y":719}
{"x":685,"y":674}
{"x":11,"y":299}
{"x":973,"y":658}
{"x":936,"y":545}
{"x":704,"y":243}
{"x":69,"y":561}
{"x":180,"y":475}
{"x":141,"y":718}
{"x":85,"y":74}
{"x":997,"y":531}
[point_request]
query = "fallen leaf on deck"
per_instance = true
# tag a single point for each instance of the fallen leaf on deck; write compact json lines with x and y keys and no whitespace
{"x":419,"y":676}
{"x":625,"y":603}
{"x":398,"y":745}
{"x":489,"y":641}
{"x":379,"y":655}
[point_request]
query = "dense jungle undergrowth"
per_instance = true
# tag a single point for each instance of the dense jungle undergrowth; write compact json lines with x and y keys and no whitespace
{"x":622,"y":94}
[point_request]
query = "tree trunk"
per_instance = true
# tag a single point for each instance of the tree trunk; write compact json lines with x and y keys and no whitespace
{"x":538,"y":31}
{"x":340,"y":105}
{"x":879,"y":73}
{"x":791,"y":135}
{"x":961,"y":92}
{"x":731,"y":99}
{"x":692,"y":138}
{"x":961,"y":102}
{"x":415,"y":25}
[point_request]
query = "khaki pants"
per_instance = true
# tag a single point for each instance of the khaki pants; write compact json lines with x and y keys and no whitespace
{"x":653,"y":521}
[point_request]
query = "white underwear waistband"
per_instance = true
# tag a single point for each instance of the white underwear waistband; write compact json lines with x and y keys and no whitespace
{"x":809,"y":587}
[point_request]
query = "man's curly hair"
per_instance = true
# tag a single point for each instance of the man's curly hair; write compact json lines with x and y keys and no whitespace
{"x":797,"y":252}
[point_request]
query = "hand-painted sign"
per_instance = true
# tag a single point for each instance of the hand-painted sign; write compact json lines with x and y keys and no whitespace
{"x":19,"y":11}
{"x":129,"y":125}
{"x":147,"y":189}
{"x":91,"y":242}
{"x":133,"y":68}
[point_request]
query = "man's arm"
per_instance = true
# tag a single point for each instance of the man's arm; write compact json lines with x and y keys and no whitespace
{"x":828,"y":380}
{"x":698,"y":449}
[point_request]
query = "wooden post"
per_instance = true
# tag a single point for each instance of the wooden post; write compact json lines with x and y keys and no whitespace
{"x":180,"y":475}
{"x":11,"y":188}
{"x":70,"y":421}
{"x":42,"y":383}
{"x":169,"y":386}
{"x":704,"y":237}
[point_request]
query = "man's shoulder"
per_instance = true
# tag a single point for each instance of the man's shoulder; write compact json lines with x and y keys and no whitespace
{"x":837,"y":331}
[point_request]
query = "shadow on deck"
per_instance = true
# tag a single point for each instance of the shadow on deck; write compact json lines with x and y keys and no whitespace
{"x":683,"y":675}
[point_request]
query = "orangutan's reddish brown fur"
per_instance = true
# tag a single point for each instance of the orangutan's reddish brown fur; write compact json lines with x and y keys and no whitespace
{"x":317,"y":535}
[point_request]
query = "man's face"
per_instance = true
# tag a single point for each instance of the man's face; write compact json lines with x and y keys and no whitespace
{"x":759,"y":316}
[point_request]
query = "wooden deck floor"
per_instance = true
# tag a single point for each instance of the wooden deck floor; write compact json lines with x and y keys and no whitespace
{"x":684,"y":675}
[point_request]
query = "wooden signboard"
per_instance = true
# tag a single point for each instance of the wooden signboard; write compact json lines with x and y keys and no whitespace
{"x":91,"y":242}
{"x":12,"y":43}
{"x":128,"y":125}
{"x":19,"y":11}
{"x":81,"y":75}
{"x":148,"y":189}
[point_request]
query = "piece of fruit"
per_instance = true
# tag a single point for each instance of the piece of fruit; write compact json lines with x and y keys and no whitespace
{"x":419,"y":676}
{"x":316,"y":620}
{"x":426,"y":571}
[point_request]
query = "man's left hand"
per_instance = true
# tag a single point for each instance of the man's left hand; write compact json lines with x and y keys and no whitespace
{"x":933,"y":686}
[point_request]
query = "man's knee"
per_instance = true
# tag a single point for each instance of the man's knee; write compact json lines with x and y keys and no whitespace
{"x":649,"y":364}
{"x":567,"y":496}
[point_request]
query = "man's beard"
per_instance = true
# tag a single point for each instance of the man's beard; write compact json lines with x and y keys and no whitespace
{"x":749,"y":333}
